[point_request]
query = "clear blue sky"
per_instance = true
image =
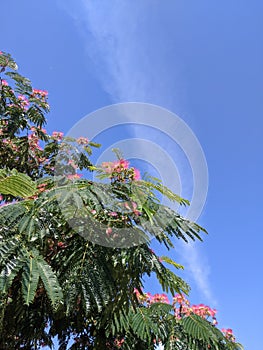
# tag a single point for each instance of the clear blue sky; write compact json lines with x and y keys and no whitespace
{"x":203,"y":61}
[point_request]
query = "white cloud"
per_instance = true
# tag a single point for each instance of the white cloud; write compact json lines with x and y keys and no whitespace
{"x":128,"y":44}
{"x":200,"y":270}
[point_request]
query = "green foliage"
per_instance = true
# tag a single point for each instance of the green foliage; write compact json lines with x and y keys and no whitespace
{"x":16,"y":184}
{"x":6,"y":61}
{"x":56,"y":280}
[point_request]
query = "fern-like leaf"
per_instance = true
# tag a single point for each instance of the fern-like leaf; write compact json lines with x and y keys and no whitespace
{"x":50,"y":281}
{"x":30,"y":278}
{"x":16,"y":184}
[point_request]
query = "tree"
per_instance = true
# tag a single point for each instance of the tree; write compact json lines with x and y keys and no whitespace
{"x":55,"y":277}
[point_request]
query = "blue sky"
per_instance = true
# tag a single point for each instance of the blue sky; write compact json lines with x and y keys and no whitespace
{"x":201,"y":60}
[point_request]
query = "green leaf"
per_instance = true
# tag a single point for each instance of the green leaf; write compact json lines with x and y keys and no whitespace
{"x":9,"y":272}
{"x":50,"y":281}
{"x":16,"y":184}
{"x":23,"y":84}
{"x":171,"y":262}
{"x":7,"y":61}
{"x":30,"y":278}
{"x":198,"y":328}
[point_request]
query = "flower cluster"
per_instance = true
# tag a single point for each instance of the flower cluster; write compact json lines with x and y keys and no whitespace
{"x":115,"y":167}
{"x":4,"y":82}
{"x":40,"y":93}
{"x":119,"y":170}
{"x":82,"y":141}
{"x":118,"y":342}
{"x":228,"y":333}
{"x":24,"y":103}
{"x":148,"y":298}
{"x":132,"y":206}
{"x":182,"y":308}
{"x":33,"y":140}
{"x":57,"y":135}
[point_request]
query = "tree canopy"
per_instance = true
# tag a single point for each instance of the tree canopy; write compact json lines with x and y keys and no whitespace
{"x":73,"y":252}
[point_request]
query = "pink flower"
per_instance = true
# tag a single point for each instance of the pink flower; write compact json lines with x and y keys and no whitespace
{"x":120,"y":171}
{"x":124,"y":163}
{"x":126,"y":205}
{"x":82,"y":141}
{"x":119,"y":343}
{"x":57,"y":135}
{"x":42,"y":187}
{"x":134,"y":205}
{"x":108,"y":231}
{"x":72,"y":163}
{"x":160,"y":298}
{"x":137,"y":292}
{"x":41,"y":93}
{"x":178,"y":299}
{"x":74,"y":176}
{"x":108,"y":167}
{"x":23,"y":101}
{"x":212,"y":312}
{"x":4,"y":82}
{"x":137,"y":174}
{"x":228,"y":333}
{"x":113,"y":213}
{"x":93,"y":211}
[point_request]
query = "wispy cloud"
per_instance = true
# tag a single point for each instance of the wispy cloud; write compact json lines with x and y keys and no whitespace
{"x":131,"y":47}
{"x":200,"y":270}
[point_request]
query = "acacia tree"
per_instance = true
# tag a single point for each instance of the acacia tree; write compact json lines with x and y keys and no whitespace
{"x":56,"y":280}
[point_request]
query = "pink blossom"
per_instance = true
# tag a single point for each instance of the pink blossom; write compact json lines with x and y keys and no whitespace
{"x":108,"y":231}
{"x":228,"y":333}
{"x":119,"y":343}
{"x":4,"y":82}
{"x":108,"y":167}
{"x":137,"y":292}
{"x":74,"y":176}
{"x":178,"y":298}
{"x":126,"y":205}
{"x":137,"y":174}
{"x":42,"y":187}
{"x":73,"y":164}
{"x":134,"y":205}
{"x":23,"y":101}
{"x":160,"y":298}
{"x":124,"y":163}
{"x":41,"y":93}
{"x":57,"y":135}
{"x":82,"y":141}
